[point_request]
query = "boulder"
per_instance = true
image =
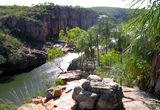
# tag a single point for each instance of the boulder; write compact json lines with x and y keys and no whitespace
{"x":99,"y":94}
{"x":76,"y":92}
{"x":94,"y":78}
{"x":80,"y":63}
{"x":107,"y":80}
{"x":75,"y":64}
{"x":72,"y":75}
{"x":57,"y":92}
{"x":86,"y":100}
{"x":101,"y":87}
{"x":49,"y":94}
{"x":109,"y":101}
{"x":53,"y":92}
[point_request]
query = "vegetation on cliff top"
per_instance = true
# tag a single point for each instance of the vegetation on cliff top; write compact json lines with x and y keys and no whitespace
{"x":8,"y":41}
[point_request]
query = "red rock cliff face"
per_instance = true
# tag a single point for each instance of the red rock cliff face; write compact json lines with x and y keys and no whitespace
{"x":47,"y":24}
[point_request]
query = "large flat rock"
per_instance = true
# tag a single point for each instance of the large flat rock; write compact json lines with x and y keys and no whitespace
{"x":71,"y":75}
{"x":135,"y":99}
{"x":135,"y":105}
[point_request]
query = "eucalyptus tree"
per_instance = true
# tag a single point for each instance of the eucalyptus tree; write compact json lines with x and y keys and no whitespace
{"x":104,"y":26}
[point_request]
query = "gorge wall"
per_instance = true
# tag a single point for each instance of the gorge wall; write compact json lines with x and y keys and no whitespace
{"x":36,"y":24}
{"x":46,"y":24}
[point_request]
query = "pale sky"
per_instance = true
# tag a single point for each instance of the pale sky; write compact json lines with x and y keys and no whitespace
{"x":83,"y":3}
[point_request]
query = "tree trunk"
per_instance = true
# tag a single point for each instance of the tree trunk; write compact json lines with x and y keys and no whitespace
{"x":154,"y":70}
{"x":97,"y":42}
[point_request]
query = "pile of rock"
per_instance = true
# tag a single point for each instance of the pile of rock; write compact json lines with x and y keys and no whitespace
{"x":98,"y":94}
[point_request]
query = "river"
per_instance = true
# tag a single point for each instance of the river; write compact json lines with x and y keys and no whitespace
{"x":30,"y":84}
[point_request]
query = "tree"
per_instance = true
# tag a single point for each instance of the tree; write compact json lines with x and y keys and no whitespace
{"x":58,"y":62}
{"x":71,"y":35}
{"x":145,"y":43}
{"x":105,"y":29}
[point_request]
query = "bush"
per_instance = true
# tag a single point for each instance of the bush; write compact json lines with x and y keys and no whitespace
{"x":54,"y":53}
{"x":59,"y":82}
{"x":117,"y":72}
{"x":8,"y":105}
{"x":8,"y":40}
{"x":139,"y":69}
{"x":110,"y":58}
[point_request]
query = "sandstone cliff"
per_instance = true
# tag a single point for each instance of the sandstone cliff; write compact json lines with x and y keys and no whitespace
{"x":46,"y":24}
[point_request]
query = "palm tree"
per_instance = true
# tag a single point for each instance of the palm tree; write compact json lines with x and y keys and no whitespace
{"x":147,"y":25}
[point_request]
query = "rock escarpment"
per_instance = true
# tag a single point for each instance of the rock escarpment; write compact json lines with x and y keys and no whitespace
{"x":46,"y":24}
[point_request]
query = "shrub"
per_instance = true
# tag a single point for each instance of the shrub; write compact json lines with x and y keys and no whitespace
{"x":8,"y":40}
{"x":117,"y":72}
{"x":8,"y":105}
{"x":110,"y":58}
{"x":139,"y":69}
{"x":59,"y":82}
{"x":54,"y":53}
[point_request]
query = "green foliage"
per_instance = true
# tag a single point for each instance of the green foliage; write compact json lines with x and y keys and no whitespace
{"x":54,"y":53}
{"x":72,"y":35}
{"x":139,"y":69}
{"x":14,"y":57}
{"x":117,"y":72}
{"x":22,"y":10}
{"x":10,"y":10}
{"x":111,"y":57}
{"x":116,"y":14}
{"x":2,"y":59}
{"x":59,"y":82}
{"x":126,"y":70}
{"x":8,"y":40}
{"x":136,"y":66}
{"x":8,"y":105}
{"x":138,"y":46}
{"x":147,"y":22}
{"x":79,"y":38}
{"x":112,"y":67}
{"x":62,"y":36}
{"x":83,"y":41}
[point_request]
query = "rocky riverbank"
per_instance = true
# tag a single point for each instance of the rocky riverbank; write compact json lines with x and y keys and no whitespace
{"x":22,"y":60}
{"x":93,"y":92}
{"x":27,"y":58}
